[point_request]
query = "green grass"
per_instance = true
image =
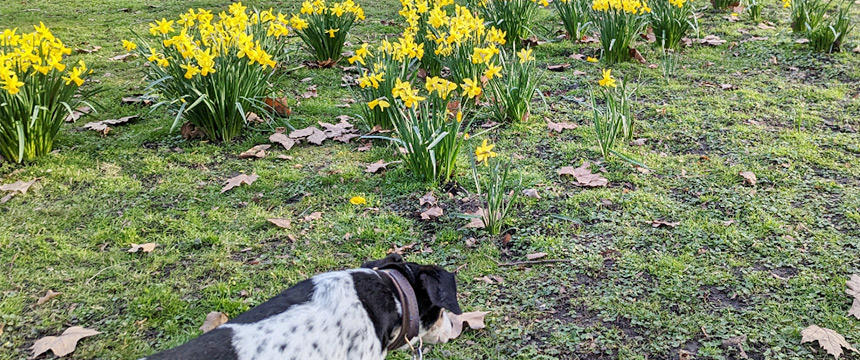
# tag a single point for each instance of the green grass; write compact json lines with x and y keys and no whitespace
{"x":630,"y":291}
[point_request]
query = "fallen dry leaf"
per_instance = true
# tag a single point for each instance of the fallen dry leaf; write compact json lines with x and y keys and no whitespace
{"x":638,"y":142}
{"x":189,"y":131}
{"x":476,"y":219}
{"x":64,"y":344}
{"x":712,"y":40}
{"x":560,"y":126}
{"x":583,"y":175}
{"x":364,"y":147}
{"x":258,"y":151}
{"x":316,"y":215}
{"x":279,"y":105}
{"x":310,"y":93}
{"x":638,"y":56}
{"x":280,"y":222}
{"x":431,"y":213}
{"x":123,"y":57}
{"x":765,"y":26}
{"x":102,"y":126}
{"x":558,"y":67}
{"x":91,"y":50}
{"x":78,"y":113}
{"x":239,"y":180}
{"x":452,"y":325}
{"x":283,"y":139}
{"x":658,"y":223}
{"x":18,"y":186}
{"x":136,"y":100}
{"x":536,"y":255}
{"x":374,"y":167}
{"x":854,"y":290}
{"x":428,"y":198}
{"x":829,"y":340}
{"x":400,"y":249}
{"x":213,"y":320}
{"x":50,"y":294}
{"x":147,"y":248}
{"x":532,"y":193}
{"x":749,"y":177}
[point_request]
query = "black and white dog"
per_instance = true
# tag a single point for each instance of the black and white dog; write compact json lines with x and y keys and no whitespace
{"x":352,"y":314}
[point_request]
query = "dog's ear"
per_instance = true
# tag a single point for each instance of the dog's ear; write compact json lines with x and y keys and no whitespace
{"x":391,"y":259}
{"x":441,"y":287}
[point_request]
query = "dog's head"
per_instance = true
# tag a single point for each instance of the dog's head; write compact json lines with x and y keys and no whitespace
{"x":435,"y":289}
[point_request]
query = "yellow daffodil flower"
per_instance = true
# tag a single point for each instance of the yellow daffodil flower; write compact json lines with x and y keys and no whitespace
{"x":493,"y":71}
{"x":331,"y":32}
{"x":591,"y":59}
{"x":607,"y":80}
{"x":358,"y":200}
{"x":471,"y":88}
{"x":128,"y":45}
{"x":484,"y":152}
{"x":525,"y":55}
{"x":381,"y":102}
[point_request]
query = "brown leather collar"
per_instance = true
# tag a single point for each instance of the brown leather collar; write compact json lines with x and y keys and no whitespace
{"x":408,"y":306}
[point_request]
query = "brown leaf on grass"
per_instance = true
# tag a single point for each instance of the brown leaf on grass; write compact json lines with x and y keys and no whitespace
{"x":50,"y":294}
{"x":91,"y":50}
{"x":400,"y":249}
{"x":300,"y":133}
{"x":147,"y":248}
{"x":583,"y":175}
{"x":123,"y":57}
{"x":801,"y":41}
{"x":239,"y":180}
{"x":638,"y":56}
{"x":727,"y":86}
{"x":253,"y":118}
{"x":102,"y":126}
{"x":749,"y":177}
{"x":364,"y":147}
{"x":532,"y":193}
{"x":280,"y":138}
{"x":560,"y":126}
{"x":189,"y":131}
{"x":659,"y":222}
{"x":854,"y":290}
{"x":379,"y":165}
{"x":431,"y":213}
{"x":649,"y":36}
{"x":476,"y":219}
{"x":829,"y":340}
{"x":736,"y":341}
{"x":766,"y":26}
{"x":428,"y":199}
{"x":18,"y":186}
{"x":78,"y":113}
{"x":279,"y":105}
{"x":711,"y":40}
{"x":579,"y":73}
{"x":280,"y":222}
{"x":558,"y":67}
{"x":136,"y":100}
{"x":64,"y":344}
{"x":536,"y":255}
{"x":588,"y":39}
{"x":258,"y":151}
{"x":316,"y":138}
{"x":310,"y":93}
{"x":638,"y":142}
{"x":213,"y":320}
{"x":316,"y":215}
{"x":451,"y":325}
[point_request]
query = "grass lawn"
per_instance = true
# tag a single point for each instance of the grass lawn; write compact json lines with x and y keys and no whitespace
{"x":763,"y":261}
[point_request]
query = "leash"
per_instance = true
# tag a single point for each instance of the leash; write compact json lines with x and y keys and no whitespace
{"x":409,"y":310}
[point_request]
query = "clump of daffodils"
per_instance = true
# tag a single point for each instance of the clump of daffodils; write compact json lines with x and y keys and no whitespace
{"x":37,"y":90}
{"x":421,"y":17}
{"x":614,"y":120}
{"x":575,"y":16}
{"x":493,"y":186}
{"x":619,"y":23}
{"x":514,"y":17}
{"x":323,"y":27}
{"x":215,"y":71}
{"x":512,"y":85}
{"x":671,"y":20}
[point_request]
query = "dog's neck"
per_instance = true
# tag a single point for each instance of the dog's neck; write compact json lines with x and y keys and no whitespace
{"x":410,"y":316}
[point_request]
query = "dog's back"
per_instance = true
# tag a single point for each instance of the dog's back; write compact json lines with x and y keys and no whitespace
{"x":299,"y":323}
